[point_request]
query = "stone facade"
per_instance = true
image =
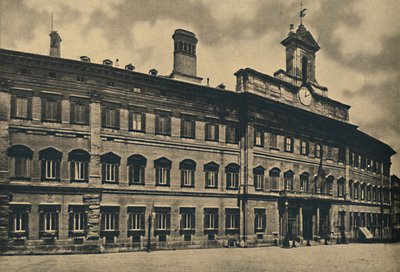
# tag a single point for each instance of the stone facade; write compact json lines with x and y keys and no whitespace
{"x":96,"y":158}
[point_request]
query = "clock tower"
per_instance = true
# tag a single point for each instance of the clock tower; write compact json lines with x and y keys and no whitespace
{"x":301,"y":49}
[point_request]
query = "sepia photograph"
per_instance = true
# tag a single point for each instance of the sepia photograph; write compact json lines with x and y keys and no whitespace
{"x":199,"y":135}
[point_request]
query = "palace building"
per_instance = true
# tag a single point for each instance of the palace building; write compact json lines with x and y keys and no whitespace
{"x":99,"y":158}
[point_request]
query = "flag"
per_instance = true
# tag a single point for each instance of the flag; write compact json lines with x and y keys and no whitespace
{"x":321,"y":172}
{"x":303,"y":13}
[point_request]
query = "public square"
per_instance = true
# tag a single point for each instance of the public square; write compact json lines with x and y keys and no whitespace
{"x":351,"y":257}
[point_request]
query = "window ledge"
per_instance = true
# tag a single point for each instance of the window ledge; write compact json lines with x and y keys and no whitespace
{"x":136,"y":184}
{"x":20,"y":178}
{"x":56,"y":180}
{"x":21,"y":118}
{"x":50,"y":121}
{"x":209,"y":187}
{"x":79,"y":181}
{"x":110,"y":182}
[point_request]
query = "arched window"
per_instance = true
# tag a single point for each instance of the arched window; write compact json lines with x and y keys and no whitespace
{"x":194,"y":49}
{"x":79,"y":165}
{"x":232,"y":176}
{"x":369,"y":186}
{"x":162,"y":167}
{"x":274,"y":178}
{"x":356,"y":190}
{"x":188,"y":169}
{"x":329,"y":184}
{"x":50,"y":164}
{"x":110,"y":163}
{"x":304,"y":182}
{"x":185,"y":46}
{"x":374,"y":193}
{"x":180,"y":45}
{"x":211,"y":175}
{"x":136,"y":169}
{"x":288,"y":177}
{"x":189,"y":48}
{"x":175,"y":46}
{"x":363,"y":191}
{"x":20,"y":158}
{"x":341,"y":187}
{"x":304,"y":68}
{"x":258,"y":174}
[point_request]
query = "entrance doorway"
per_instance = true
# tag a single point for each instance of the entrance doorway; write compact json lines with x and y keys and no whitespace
{"x":307,"y":225}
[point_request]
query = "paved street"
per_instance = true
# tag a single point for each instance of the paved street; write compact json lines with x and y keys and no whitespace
{"x":353,"y":257}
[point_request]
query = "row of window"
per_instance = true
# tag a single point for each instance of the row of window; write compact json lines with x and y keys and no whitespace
{"x":136,"y":220}
{"x":368,"y":164}
{"x":368,"y":192}
{"x":370,"y":220}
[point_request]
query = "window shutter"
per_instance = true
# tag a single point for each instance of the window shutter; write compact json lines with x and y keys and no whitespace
{"x":26,"y":222}
{"x":255,"y":222}
{"x":130,"y":120}
{"x":142,"y":172}
{"x":86,"y":118}
{"x":183,"y":127}
{"x":193,"y":220}
{"x":157,"y":176}
{"x":117,"y":118}
{"x":29,"y":107}
{"x":58,"y":169}
{"x":206,"y":131}
{"x":237,"y":218}
{"x":143,"y":121}
{"x":226,"y":220}
{"x":86,"y":167}
{"x":70,"y":222}
{"x":72,"y":112}
{"x":102,"y":221}
{"x":56,"y":220}
{"x":116,"y":216}
{"x":217,"y":132}
{"x":130,"y":173}
{"x":116,"y":173}
{"x":193,"y":175}
{"x":169,"y":125}
{"x":168,"y":220}
{"x":103,"y":116}
{"x":264,"y":221}
{"x":193,"y":128}
{"x":103,"y":172}
{"x":41,"y":221}
{"x":58,"y":110}
{"x":181,"y":222}
{"x":168,"y":176}
{"x":43,"y":169}
{"x":157,"y":123}
{"x":216,"y":219}
{"x":142,"y":221}
{"x":206,"y":221}
{"x":11,"y":220}
{"x":13,"y":106}
{"x":43,"y":109}
{"x":72,"y":170}
{"x":216,"y":179}
{"x":182,"y":177}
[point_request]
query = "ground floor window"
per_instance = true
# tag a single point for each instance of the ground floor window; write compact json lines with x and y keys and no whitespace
{"x":232,"y":221}
{"x":136,"y":221}
{"x":162,"y":220}
{"x":109,"y":221}
{"x":48,"y":220}
{"x":77,"y":220}
{"x":19,"y":220}
{"x":260,"y":220}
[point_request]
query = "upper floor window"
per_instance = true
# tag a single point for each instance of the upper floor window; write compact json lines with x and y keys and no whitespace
{"x":363,"y":162}
{"x":211,"y":175}
{"x":258,"y":174}
{"x":232,"y":135}
{"x":288,"y":176}
{"x":274,"y":174}
{"x":318,"y":150}
{"x":79,"y":165}
{"x":329,"y":152}
{"x":110,"y":163}
{"x":288,"y":144}
{"x":273,"y":141}
{"x":80,"y":78}
{"x":187,"y":168}
{"x":258,"y":137}
{"x":341,"y":187}
{"x":232,"y":176}
{"x":304,"y":148}
{"x":356,"y":160}
{"x":304,"y":182}
{"x":79,"y":111}
{"x":356,"y":190}
{"x":163,"y":123}
{"x":136,"y":169}
{"x":137,"y":121}
{"x":342,"y":154}
{"x":110,"y":117}
{"x":212,"y":131}
{"x":50,"y":164}
{"x":21,"y":107}
{"x":188,"y":126}
{"x":20,"y":162}
{"x":51,"y":109}
{"x":162,"y":168}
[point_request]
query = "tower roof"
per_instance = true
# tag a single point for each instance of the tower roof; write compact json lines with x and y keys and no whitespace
{"x":302,"y":37}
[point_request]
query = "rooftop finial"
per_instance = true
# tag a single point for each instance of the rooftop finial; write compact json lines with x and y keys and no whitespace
{"x":302,"y":12}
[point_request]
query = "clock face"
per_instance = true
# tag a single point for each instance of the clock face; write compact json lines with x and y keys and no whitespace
{"x":305,"y":96}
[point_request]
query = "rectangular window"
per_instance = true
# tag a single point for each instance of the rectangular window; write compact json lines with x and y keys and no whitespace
{"x":79,"y":113}
{"x":318,"y":150}
{"x":163,"y":123}
{"x":162,"y":222}
{"x":21,"y":106}
{"x":109,"y":220}
{"x":259,"y":220}
{"x":232,"y":134}
{"x":258,"y":182}
{"x":48,"y":220}
{"x":51,"y":169}
{"x":110,"y":172}
{"x":273,"y":143}
{"x":187,"y":177}
{"x":80,"y":170}
{"x":304,"y":148}
{"x":187,"y":221}
{"x":137,"y":121}
{"x":21,"y":167}
{"x":136,"y":221}
{"x":329,"y":153}
{"x":110,"y":117}
{"x":188,"y":127}
{"x":136,"y":174}
{"x":231,"y":220}
{"x":51,"y":110}
{"x":356,"y":160}
{"x":288,"y":144}
{"x":162,"y":176}
{"x":19,"y":220}
{"x":232,"y":180}
{"x":210,"y":220}
{"x":258,"y":137}
{"x":211,"y":132}
{"x":211,"y":179}
{"x":79,"y":221}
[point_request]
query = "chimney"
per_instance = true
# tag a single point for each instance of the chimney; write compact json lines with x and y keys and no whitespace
{"x":130,"y":67}
{"x":85,"y":58}
{"x":55,"y":44}
{"x":221,"y":86}
{"x":185,"y":67}
{"x":153,"y":72}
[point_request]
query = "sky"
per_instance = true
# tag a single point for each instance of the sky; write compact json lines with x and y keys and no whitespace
{"x":359,"y":60}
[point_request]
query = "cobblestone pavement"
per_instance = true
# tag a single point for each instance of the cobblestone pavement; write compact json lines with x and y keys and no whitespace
{"x":352,"y":257}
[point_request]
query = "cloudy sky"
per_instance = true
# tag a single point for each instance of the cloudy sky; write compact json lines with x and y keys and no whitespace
{"x":359,"y":60}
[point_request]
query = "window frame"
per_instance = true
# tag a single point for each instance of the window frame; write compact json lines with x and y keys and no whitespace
{"x":166,"y":128}
{"x":162,"y":167}
{"x":258,"y":137}
{"x":289,"y":146}
{"x":190,"y":121}
{"x":229,"y":138}
{"x":110,"y":162}
{"x":83,"y":118}
{"x":211,"y":124}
